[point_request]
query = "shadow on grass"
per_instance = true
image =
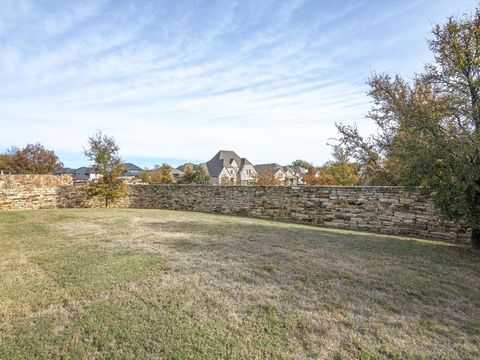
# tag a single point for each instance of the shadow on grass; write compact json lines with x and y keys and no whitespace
{"x":209,"y":286}
{"x":279,"y":245}
{"x":250,"y":229}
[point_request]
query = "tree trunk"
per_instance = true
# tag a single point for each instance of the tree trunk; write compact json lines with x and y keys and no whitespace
{"x":106,"y":201}
{"x":475,"y":239}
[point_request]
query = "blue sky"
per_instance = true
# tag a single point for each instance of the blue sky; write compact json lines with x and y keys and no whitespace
{"x":178,"y":80}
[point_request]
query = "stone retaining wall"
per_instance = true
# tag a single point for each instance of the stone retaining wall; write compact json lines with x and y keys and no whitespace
{"x":31,"y":192}
{"x":389,"y":210}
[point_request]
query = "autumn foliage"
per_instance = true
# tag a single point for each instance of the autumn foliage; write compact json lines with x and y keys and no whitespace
{"x":32,"y":159}
{"x":159,"y":175}
{"x":267,"y":179}
{"x":102,"y":150}
{"x":429,"y":127}
{"x":195,"y":174}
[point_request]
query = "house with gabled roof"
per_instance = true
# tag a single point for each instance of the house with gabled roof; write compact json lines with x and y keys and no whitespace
{"x":227,"y":168}
{"x":274,"y":169}
{"x":183,"y":167}
{"x":81,"y":174}
{"x":298,"y":173}
{"x":176,"y":174}
{"x":286,"y":175}
{"x":132,"y":171}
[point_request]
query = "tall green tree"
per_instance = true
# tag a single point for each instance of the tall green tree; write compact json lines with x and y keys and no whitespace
{"x":341,"y":171}
{"x":195,"y":174}
{"x":429,"y":128}
{"x":103,"y":150}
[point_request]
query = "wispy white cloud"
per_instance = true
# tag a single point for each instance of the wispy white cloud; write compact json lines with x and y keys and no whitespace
{"x":183,"y":79}
{"x":68,"y":18}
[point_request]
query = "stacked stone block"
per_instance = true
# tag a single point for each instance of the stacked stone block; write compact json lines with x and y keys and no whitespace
{"x":389,"y":210}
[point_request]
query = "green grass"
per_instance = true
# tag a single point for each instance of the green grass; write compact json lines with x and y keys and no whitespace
{"x":130,"y":284}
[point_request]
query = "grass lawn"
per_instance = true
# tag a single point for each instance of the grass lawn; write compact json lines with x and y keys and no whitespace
{"x":175,"y":285}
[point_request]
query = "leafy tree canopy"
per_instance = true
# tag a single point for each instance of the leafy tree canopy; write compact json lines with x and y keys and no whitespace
{"x":159,"y":175}
{"x":340,"y":171}
{"x":429,"y":128}
{"x":196,"y":174}
{"x":32,"y":159}
{"x":268,"y":178}
{"x":302,"y":163}
{"x":103,"y":150}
